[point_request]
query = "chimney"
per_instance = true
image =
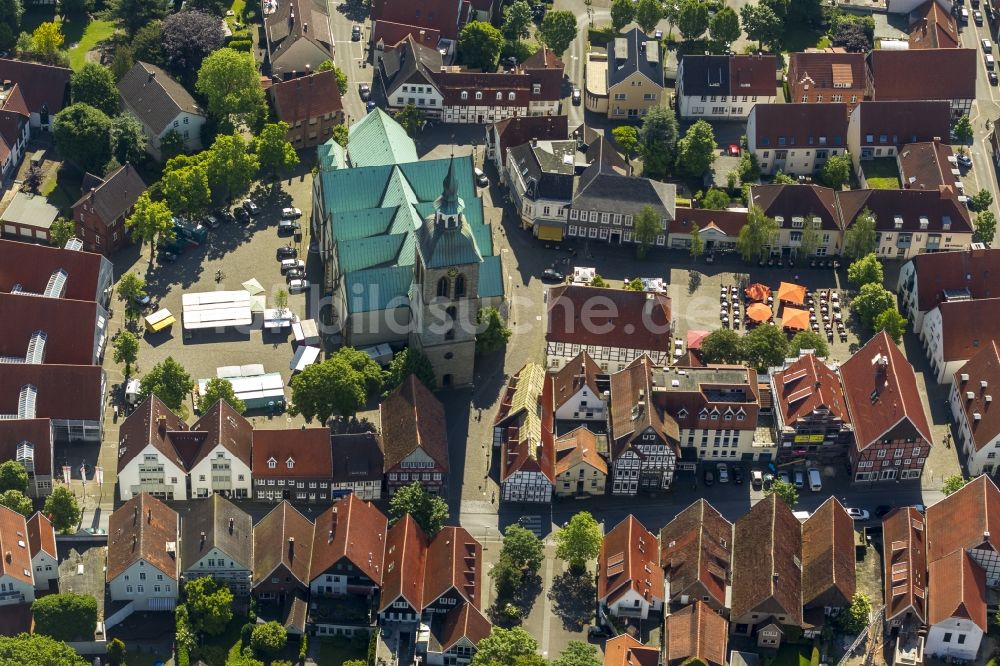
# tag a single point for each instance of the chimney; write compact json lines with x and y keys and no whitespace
{"x":774,"y":579}
{"x":534,"y":142}
{"x":291,"y":548}
{"x":231,"y":525}
{"x":203,"y":538}
{"x":161,"y":422}
{"x":149,"y":515}
{"x":152,"y":75}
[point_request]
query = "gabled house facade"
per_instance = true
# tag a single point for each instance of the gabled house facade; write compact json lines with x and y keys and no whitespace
{"x":878,"y":128}
{"x":578,"y":390}
{"x":828,"y":574}
{"x":629,"y":577}
{"x":955,"y":331}
{"x":282,"y":550}
{"x":696,"y":553}
{"x":402,"y":598}
{"x":100,"y":213}
{"x":143,"y":567}
{"x":162,"y":106}
{"x":971,"y":402}
{"x":148,"y":461}
{"x":414,"y":438}
{"x":299,"y":37}
{"x":796,"y":139}
{"x":17,"y":584}
{"x":719,"y":86}
{"x":819,"y":76}
{"x":956,"y":610}
{"x":348,"y":550}
{"x":294,"y":465}
{"x":524,"y":429}
{"x":222,"y":463}
{"x":45,"y":88}
{"x":453,"y":637}
{"x":29,"y":442}
{"x":580,"y":469}
{"x":932,"y":278}
{"x":635,"y":75}
{"x":358,"y":464}
{"x":42,"y":546}
{"x":217,"y":541}
{"x":311,"y":105}
{"x":969,"y":520}
{"x":695,"y":632}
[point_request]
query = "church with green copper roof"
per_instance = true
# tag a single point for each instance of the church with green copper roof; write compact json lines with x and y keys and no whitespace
{"x":407,"y":254}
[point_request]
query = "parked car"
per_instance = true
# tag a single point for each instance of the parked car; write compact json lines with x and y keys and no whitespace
{"x":292,"y":264}
{"x":294,"y":274}
{"x":964,"y":160}
{"x":708,"y":477}
{"x":481,"y":179}
{"x":576,"y":97}
{"x":365,"y":91}
{"x":286,"y":227}
{"x":251,"y":207}
{"x":290,"y":213}
{"x":295,"y":286}
{"x":977,"y":17}
{"x":370,"y":105}
{"x":738,"y":476}
{"x":166,"y":257}
{"x":211,"y":222}
{"x":552,"y":275}
{"x":756,"y":479}
{"x":783,"y":475}
{"x":987,"y":45}
{"x":858,"y":514}
{"x":658,"y":35}
{"x":800,"y":479}
{"x":142,"y":301}
{"x":223,"y":215}
{"x":992,"y":76}
{"x":356,"y":33}
{"x":599,"y":632}
{"x":734,"y":150}
{"x":241,"y":215}
{"x":286,"y":252}
{"x":723,"y":472}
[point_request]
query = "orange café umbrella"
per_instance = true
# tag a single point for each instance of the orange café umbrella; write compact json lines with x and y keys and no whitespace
{"x":791,"y":293}
{"x":695,"y":338}
{"x":759,"y":312}
{"x":795,"y":319}
{"x":757,"y":292}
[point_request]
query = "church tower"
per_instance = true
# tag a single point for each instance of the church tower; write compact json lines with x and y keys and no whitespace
{"x":445,"y":295}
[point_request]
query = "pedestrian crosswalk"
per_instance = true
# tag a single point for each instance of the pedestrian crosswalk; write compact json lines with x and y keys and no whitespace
{"x":532,"y":523}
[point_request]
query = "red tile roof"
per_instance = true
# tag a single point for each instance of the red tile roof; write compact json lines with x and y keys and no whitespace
{"x":284,"y":537}
{"x":806,"y":385}
{"x":528,"y":445}
{"x":453,"y":83}
{"x":69,"y":327}
{"x":957,"y":589}
{"x":31,"y":266}
{"x":14,"y":543}
{"x":13,"y":432}
{"x":697,"y":546}
{"x":696,"y":631}
{"x":351,"y":529}
{"x":753,"y":75}
{"x":692,"y":394}
{"x":442,"y":15}
{"x":464,"y":621}
{"x":412,"y":418}
{"x":42,"y":85}
{"x":920,"y":211}
{"x":521,"y":129}
{"x":803,"y":125}
{"x":143,"y":528}
{"x":815,"y":69}
{"x":728,"y":222}
{"x":967,"y":327}
{"x":578,"y":446}
{"x":41,"y":535}
{"x":151,"y":423}
{"x":391,"y":34}
{"x":630,"y":387}
{"x":926,"y":165}
{"x":968,"y":518}
{"x":983,"y":367}
{"x":931,"y":27}
{"x":902,"y":122}
{"x":580,"y":371}
{"x":454,"y":560}
{"x":766,"y":570}
{"x":962,"y":269}
{"x":790,"y":201}
{"x":882,"y":395}
{"x":307,"y":97}
{"x":405,"y":556}
{"x":945,"y":74}
{"x":63,"y":391}
{"x":624,"y":650}
{"x":609,"y":318}
{"x":308,"y":448}
{"x":905,"y":562}
{"x":629,"y":560}
{"x":545,"y":69}
{"x":224,"y":425}
{"x":828,"y":576}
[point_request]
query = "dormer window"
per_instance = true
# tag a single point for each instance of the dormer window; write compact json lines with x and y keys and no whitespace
{"x":465,"y":95}
{"x":272,"y":463}
{"x":290,"y":463}
{"x":499,"y":96}
{"x":682,"y":414}
{"x":479,"y":95}
{"x":703,"y":414}
{"x":511,"y":96}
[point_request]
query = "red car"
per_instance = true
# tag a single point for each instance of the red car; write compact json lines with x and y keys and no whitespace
{"x":734,"y":150}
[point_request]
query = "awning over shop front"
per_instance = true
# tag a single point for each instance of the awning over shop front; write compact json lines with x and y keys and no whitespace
{"x":549,"y":232}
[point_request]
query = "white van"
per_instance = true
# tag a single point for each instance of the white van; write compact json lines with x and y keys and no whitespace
{"x":815,"y":482}
{"x":990,"y":61}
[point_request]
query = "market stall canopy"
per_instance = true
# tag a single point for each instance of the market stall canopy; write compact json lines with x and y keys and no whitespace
{"x":795,"y":319}
{"x":695,"y":338}
{"x":253,"y":286}
{"x":759,"y":312}
{"x":757,"y":292}
{"x":791,"y":293}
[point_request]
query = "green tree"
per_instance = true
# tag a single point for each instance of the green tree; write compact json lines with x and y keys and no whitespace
{"x":724,"y":27}
{"x":598,"y":281}
{"x":493,"y":333}
{"x":480,"y":44}
{"x":116,"y":652}
{"x":808,"y":340}
{"x":696,"y":150}
{"x":230,"y":82}
{"x":15,"y":500}
{"x":785,"y":491}
{"x":62,"y":509}
{"x":268,"y":639}
{"x":216,"y":7}
{"x":981,"y":200}
{"x":216,"y":389}
{"x":557,"y":31}
{"x":647,"y":227}
{"x":671,"y":12}
{"x":579,"y":541}
{"x":764,"y":347}
{"x":331,"y":387}
{"x":522,"y":548}
{"x":761,"y":24}
{"x":411,"y":119}
{"x":857,"y":616}
{"x":130,"y":290}
{"x":658,"y":142}
{"x":860,"y":238}
{"x":409,"y":361}
{"x":757,"y":235}
{"x":507,"y":577}
{"x":37,"y":650}
{"x":963,"y":129}
{"x":809,"y":240}
{"x":186,"y":189}
{"x":329,"y":65}
{"x":82,"y":136}
{"x":428,"y":511}
{"x":837,"y":171}
{"x":150,"y":221}
{"x":370,"y":372}
{"x":13,"y":476}
{"x":578,"y":653}
{"x":697,"y":244}
{"x":210,"y":605}
{"x":781,"y":178}
{"x":721,"y":346}
{"x":47,"y":39}
{"x":954,"y":483}
{"x":635,"y":284}
{"x":872,"y":300}
{"x":147,"y":44}
{"x":865,"y":270}
{"x":715,"y":199}
{"x":647,"y":14}
{"x":94,"y":84}
{"x":134,"y":14}
{"x":517,"y":21}
{"x":748,"y":168}
{"x":66,"y":616}
{"x":626,"y":136}
{"x":63,"y":229}
{"x":128,"y":140}
{"x":168,"y":381}
{"x":184,"y":636}
{"x":692,"y":20}
{"x":503,"y":646}
{"x":986,"y":227}
{"x":126,"y":350}
{"x":340,"y":134}
{"x":231,"y":166}
{"x":171,"y":146}
{"x":622,"y":13}
{"x":274,"y":152}
{"x":893,"y":323}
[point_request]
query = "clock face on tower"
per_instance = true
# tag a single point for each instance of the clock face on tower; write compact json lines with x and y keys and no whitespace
{"x":452,"y":272}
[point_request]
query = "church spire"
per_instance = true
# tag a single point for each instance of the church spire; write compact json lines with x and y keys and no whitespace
{"x":449,"y":194}
{"x":449,"y":205}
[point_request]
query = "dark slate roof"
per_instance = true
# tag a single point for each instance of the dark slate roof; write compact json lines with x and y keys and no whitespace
{"x":410,"y":61}
{"x":224,"y":525}
{"x":705,"y":75}
{"x":299,"y":36}
{"x":357,"y":457}
{"x":155,"y":98}
{"x":601,"y":188}
{"x":631,"y":53}
{"x":544,"y":173}
{"x":115,"y":195}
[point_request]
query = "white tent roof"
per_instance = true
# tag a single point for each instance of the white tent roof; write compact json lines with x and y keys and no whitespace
{"x":216,"y":309}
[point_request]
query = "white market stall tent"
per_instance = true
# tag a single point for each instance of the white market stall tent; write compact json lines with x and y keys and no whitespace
{"x":216,"y":309}
{"x":304,"y":356}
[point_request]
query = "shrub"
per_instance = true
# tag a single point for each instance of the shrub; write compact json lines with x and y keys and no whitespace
{"x":814,"y":656}
{"x":303,"y":647}
{"x":182,"y":657}
{"x":241,"y":45}
{"x":601,"y":36}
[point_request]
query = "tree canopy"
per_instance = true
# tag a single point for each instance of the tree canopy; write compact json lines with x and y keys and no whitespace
{"x":579,"y":541}
{"x":231,"y":165}
{"x":764,"y":347}
{"x":150,"y":221}
{"x":647,"y":227}
{"x":82,"y":136}
{"x":168,"y":381}
{"x":785,"y":491}
{"x":647,"y":14}
{"x":954,"y":483}
{"x":230,"y":82}
{"x":860,"y":238}
{"x":892,"y":322}
{"x":522,"y":547}
{"x":757,"y":235}
{"x":480,"y":44}
{"x":692,"y":19}
{"x":17,"y":501}
{"x":503,"y":646}
{"x":216,"y":389}
{"x":340,"y":385}
{"x":128,"y":140}
{"x":622,"y":13}
{"x":13,"y":476}
{"x":494,"y":333}
{"x":186,"y":189}
{"x":37,"y":650}
{"x":872,"y":300}
{"x":94,"y":84}
{"x":696,"y":150}
{"x":517,"y":21}
{"x":986,"y":227}
{"x":557,"y":31}
{"x":578,"y":653}
{"x":658,"y":141}
{"x":66,"y":616}
{"x":188,"y":37}
{"x":427,"y":510}
{"x":134,"y":14}
{"x":867,"y":269}
{"x":268,"y":638}
{"x":409,"y":361}
{"x":626,"y":136}
{"x":210,"y":605}
{"x":62,"y":509}
{"x":126,"y":350}
{"x":724,"y":27}
{"x":721,"y":346}
{"x":808,"y":340}
{"x":274,"y":152}
{"x":760,"y":23}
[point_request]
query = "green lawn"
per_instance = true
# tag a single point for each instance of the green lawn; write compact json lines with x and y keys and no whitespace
{"x":335,"y":651}
{"x":792,"y":655}
{"x":95,"y":33}
{"x":64,"y":190}
{"x":799,"y":38}
{"x":881,"y":173}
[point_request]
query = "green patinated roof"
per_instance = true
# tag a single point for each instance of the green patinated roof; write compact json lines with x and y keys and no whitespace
{"x":364,"y":223}
{"x":354,"y":189}
{"x":440,"y":247}
{"x":376,"y":288}
{"x":362,"y":253}
{"x":332,"y":155}
{"x":490,"y":278}
{"x":377,"y":140}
